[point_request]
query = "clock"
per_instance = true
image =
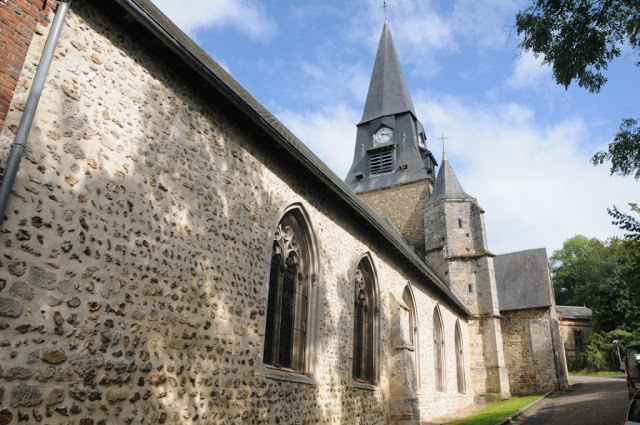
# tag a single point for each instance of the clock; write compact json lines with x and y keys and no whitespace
{"x":383,"y":135}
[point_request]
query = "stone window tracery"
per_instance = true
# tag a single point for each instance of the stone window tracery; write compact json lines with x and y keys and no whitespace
{"x":290,"y":279}
{"x":365,"y":325}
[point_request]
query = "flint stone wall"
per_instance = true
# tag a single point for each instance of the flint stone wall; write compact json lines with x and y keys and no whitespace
{"x":134,"y":257}
{"x":403,"y":204}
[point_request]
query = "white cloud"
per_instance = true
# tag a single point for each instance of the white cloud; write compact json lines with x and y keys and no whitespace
{"x":486,"y":22}
{"x":414,"y":24}
{"x":330,"y":133}
{"x":536,"y":185}
{"x":246,"y":16}
{"x":424,"y":29}
{"x":528,"y":72}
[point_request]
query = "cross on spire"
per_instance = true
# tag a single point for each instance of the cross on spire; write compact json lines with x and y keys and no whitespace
{"x":384,"y":6}
{"x":444,"y":153}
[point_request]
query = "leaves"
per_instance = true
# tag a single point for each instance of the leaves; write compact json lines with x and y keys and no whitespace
{"x":604,"y":276}
{"x":579,"y":38}
{"x":627,"y":222}
{"x":624,"y":151}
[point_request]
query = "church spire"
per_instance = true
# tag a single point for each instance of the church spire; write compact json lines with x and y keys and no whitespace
{"x":391,"y":144}
{"x":388,"y":92}
{"x":447,"y":185}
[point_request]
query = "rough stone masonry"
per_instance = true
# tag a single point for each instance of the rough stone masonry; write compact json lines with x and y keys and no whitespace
{"x":135,"y":255}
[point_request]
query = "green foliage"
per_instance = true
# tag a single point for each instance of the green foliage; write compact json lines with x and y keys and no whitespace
{"x":624,"y":151}
{"x":627,"y":222}
{"x":579,"y":38}
{"x":496,"y":412}
{"x":605,"y":276}
{"x":600,"y":353}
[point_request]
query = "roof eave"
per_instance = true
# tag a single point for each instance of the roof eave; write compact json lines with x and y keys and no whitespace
{"x":286,"y":140}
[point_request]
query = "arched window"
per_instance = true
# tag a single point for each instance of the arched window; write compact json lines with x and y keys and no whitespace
{"x":290,"y":279}
{"x":438,"y":350}
{"x":462,"y":386}
{"x":365,"y":335}
{"x":408,"y":299}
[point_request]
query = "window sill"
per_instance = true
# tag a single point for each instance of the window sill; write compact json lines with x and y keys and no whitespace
{"x":364,"y":386}
{"x":283,"y":375}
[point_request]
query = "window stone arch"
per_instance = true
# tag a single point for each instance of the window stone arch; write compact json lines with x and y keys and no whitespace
{"x":289,"y":335}
{"x":409,"y":300}
{"x":439,"y":350}
{"x":460,"y":376}
{"x":366,"y":332}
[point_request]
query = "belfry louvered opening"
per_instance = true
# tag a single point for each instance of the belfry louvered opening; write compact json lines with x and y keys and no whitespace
{"x":382,"y":161}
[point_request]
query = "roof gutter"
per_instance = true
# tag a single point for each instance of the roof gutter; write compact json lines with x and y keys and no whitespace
{"x":291,"y":144}
{"x":20,"y":142}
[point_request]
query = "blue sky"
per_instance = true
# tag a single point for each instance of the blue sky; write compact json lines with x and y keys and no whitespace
{"x":518,"y":142}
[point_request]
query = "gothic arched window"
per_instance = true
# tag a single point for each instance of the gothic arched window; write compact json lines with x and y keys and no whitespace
{"x":365,"y":335}
{"x":407,"y":298}
{"x":290,"y":279}
{"x":462,"y":387}
{"x":438,"y":350}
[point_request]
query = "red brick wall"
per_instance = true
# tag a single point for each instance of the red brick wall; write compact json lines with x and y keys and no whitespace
{"x":18,"y":20}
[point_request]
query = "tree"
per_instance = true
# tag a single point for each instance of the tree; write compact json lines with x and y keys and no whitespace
{"x":579,"y":38}
{"x":627,"y":222}
{"x":604,"y":276}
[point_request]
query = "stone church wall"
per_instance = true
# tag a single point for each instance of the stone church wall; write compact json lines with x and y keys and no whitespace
{"x":436,"y":403}
{"x":400,"y":205}
{"x":135,"y":257}
{"x":528,"y":351}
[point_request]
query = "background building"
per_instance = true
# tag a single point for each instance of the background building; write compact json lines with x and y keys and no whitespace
{"x":575,"y":326}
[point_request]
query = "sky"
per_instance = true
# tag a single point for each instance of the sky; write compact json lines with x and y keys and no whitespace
{"x":518,"y":142}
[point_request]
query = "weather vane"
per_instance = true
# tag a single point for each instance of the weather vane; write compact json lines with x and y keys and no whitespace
{"x":384,"y":6}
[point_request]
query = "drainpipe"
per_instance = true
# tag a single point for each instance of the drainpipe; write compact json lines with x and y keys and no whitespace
{"x":18,"y":147}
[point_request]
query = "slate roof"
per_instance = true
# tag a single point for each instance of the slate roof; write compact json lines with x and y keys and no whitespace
{"x":570,"y":312}
{"x":447,"y":185}
{"x":388,"y":92}
{"x":167,"y":42}
{"x":523,"y":280}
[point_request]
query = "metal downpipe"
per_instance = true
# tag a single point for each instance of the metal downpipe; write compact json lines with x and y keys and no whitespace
{"x":20,"y":142}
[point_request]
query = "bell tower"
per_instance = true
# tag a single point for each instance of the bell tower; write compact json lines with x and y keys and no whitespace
{"x":392,"y":169}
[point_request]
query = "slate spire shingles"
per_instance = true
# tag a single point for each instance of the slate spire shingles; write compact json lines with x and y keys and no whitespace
{"x":388,"y":92}
{"x":447,"y":185}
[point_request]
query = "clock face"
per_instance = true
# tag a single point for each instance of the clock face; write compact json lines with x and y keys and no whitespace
{"x":383,"y":135}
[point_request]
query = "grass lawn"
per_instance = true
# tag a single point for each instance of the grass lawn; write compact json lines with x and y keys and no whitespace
{"x":495,"y":412}
{"x":586,"y":372}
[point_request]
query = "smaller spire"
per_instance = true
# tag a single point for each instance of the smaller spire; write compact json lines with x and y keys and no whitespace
{"x":447,"y":185}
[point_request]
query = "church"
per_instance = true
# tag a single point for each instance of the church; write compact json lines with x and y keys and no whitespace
{"x":172,"y":253}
